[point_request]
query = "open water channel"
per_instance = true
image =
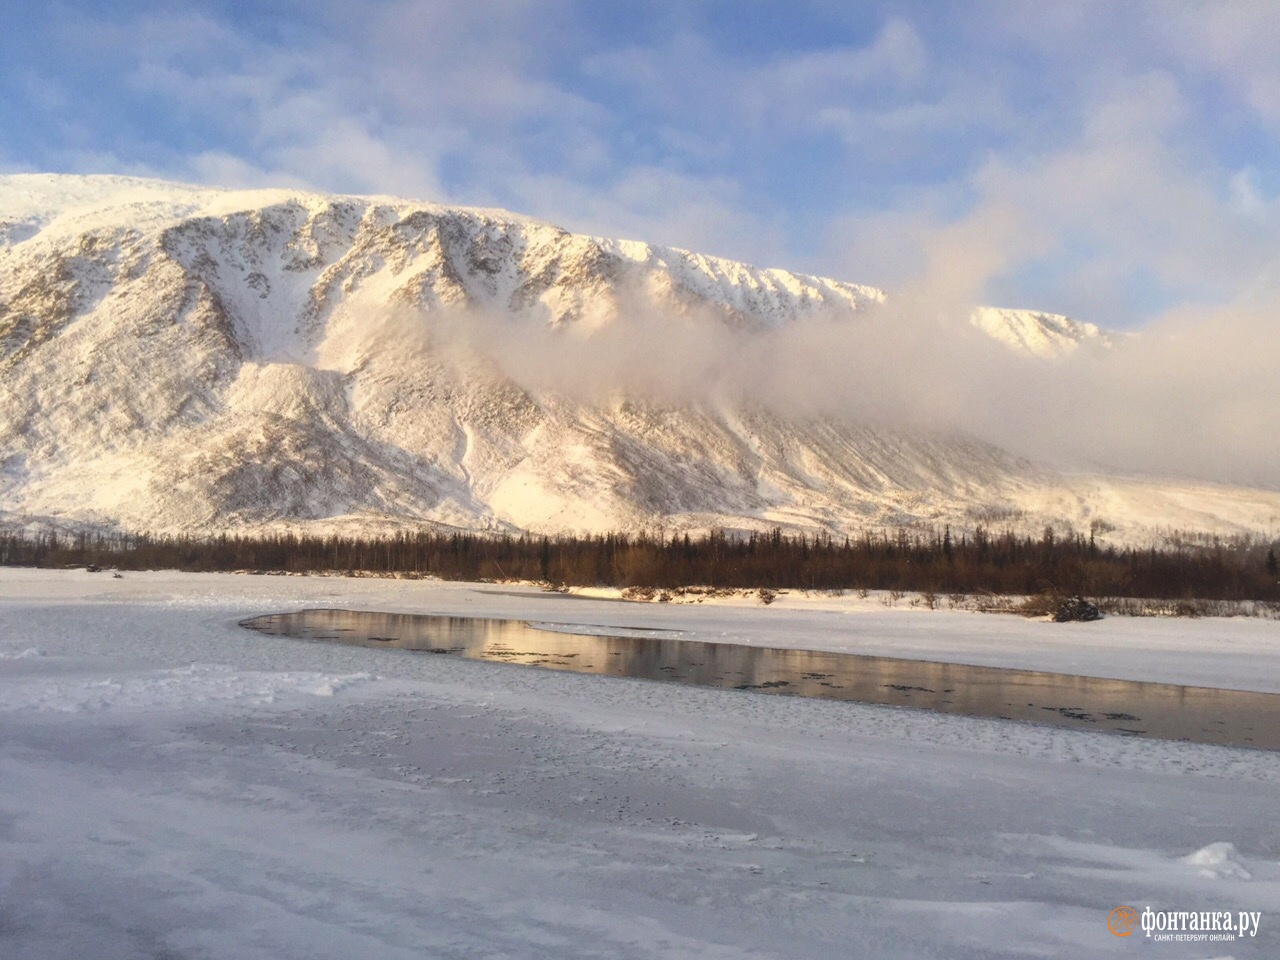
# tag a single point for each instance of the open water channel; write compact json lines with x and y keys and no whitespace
{"x":1165,"y":711}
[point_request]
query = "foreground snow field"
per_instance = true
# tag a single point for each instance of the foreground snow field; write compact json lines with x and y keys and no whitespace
{"x":173,"y":786}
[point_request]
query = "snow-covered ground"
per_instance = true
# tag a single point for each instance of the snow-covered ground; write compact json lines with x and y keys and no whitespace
{"x":172,"y":785}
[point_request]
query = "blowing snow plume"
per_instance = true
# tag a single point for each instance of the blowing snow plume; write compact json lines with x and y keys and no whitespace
{"x":1193,"y":396}
{"x":1196,"y":395}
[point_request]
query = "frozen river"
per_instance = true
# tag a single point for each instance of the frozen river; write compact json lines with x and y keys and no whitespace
{"x":173,"y":785}
{"x":1165,"y":711}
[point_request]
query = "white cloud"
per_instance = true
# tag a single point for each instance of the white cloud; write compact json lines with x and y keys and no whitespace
{"x":659,"y":206}
{"x":1237,"y":41}
{"x":1126,"y":197}
{"x":895,"y":58}
{"x":687,"y":77}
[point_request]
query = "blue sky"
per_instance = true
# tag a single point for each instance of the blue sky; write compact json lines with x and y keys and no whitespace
{"x":1113,"y":161}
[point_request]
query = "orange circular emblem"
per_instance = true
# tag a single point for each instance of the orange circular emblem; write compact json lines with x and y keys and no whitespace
{"x":1121,"y":921}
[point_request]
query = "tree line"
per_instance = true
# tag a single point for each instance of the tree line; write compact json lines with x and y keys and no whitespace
{"x":977,"y":561}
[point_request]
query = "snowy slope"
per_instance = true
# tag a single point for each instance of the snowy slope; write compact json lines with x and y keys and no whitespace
{"x":1041,"y":334}
{"x":183,"y":358}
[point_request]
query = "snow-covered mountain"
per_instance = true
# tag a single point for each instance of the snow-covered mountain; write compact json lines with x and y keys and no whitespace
{"x":177,"y":358}
{"x":1041,"y":334}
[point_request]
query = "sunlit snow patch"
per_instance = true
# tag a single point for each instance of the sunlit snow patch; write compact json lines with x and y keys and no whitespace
{"x":1219,"y":861}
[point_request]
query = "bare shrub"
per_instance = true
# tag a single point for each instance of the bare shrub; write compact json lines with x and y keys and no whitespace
{"x":1188,"y":607}
{"x":987,"y":602}
{"x":1043,"y":604}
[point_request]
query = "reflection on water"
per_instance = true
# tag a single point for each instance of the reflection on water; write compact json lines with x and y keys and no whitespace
{"x":1167,"y":711}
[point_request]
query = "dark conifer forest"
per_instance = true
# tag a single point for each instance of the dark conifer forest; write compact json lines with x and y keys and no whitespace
{"x":975,"y":562}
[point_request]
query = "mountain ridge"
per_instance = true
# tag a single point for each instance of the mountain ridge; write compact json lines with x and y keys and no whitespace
{"x":181,"y":359}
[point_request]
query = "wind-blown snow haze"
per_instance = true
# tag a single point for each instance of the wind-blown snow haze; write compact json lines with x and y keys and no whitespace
{"x":1194,"y":396}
